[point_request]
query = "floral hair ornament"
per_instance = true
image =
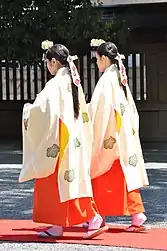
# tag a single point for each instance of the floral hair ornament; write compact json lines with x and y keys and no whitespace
{"x":73,"y":69}
{"x":45,"y":45}
{"x":94,"y":43}
{"x":122,"y":69}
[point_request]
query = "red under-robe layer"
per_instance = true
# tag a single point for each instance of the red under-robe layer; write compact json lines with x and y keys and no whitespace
{"x":111,"y":195}
{"x":49,"y":209}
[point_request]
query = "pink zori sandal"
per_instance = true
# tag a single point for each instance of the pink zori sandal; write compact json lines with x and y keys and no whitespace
{"x":137,"y":229}
{"x":92,"y":233}
{"x":86,"y":224}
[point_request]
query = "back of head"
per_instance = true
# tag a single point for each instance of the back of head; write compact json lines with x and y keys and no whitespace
{"x":59,"y":52}
{"x":108,"y":49}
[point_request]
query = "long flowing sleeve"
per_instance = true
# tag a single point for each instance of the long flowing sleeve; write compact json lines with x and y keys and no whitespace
{"x":115,"y":126}
{"x":40,"y":130}
{"x":103,"y":117}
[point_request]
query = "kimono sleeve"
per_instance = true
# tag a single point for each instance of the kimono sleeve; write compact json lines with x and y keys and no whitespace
{"x":40,"y":138}
{"x":100,"y":110}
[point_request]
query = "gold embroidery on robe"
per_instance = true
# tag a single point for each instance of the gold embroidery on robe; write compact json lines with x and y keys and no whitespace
{"x":52,"y":151}
{"x":77,"y":143}
{"x":109,"y":143}
{"x":85,"y":117}
{"x":122,"y":107}
{"x":133,"y":160}
{"x":69,"y":175}
{"x":69,"y":89}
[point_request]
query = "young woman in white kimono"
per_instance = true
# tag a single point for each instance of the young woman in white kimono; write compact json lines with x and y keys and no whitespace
{"x":117,"y":168}
{"x":57,"y":147}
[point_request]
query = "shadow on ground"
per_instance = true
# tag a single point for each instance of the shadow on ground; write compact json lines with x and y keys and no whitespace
{"x":154,"y":198}
{"x":16,"y":199}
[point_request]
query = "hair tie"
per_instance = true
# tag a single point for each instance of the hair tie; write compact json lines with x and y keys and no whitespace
{"x":73,"y":69}
{"x":122,"y":69}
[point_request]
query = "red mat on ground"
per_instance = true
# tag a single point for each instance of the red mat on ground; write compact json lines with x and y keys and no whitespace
{"x":26,"y":231}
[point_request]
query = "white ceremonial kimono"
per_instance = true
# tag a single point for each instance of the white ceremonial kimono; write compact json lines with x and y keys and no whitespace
{"x":116,"y":131}
{"x":43,"y":146}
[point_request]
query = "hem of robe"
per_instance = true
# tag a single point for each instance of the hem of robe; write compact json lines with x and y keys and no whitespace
{"x":48,"y":208}
{"x":111,"y":195}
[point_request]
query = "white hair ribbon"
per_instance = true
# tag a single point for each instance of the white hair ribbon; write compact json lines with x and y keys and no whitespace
{"x":122,"y":70}
{"x":73,"y":69}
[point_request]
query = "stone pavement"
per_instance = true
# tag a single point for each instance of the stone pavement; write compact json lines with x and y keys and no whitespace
{"x":16,"y":199}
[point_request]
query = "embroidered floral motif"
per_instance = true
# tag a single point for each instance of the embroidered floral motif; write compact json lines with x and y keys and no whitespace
{"x":119,"y":79}
{"x":69,"y":89}
{"x":52,"y":151}
{"x":133,"y":131}
{"x":85,"y":117}
{"x":77,"y":143}
{"x":123,"y":75}
{"x":25,"y":124}
{"x":122,"y":107}
{"x":69,"y":175}
{"x":124,"y":82}
{"x":109,"y":143}
{"x":133,"y":160}
{"x":77,"y":81}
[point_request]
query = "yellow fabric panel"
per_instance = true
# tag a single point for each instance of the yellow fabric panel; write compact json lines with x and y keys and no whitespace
{"x":118,"y":121}
{"x":64,"y":138}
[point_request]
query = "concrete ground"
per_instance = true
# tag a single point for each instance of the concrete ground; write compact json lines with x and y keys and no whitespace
{"x":16,"y":199}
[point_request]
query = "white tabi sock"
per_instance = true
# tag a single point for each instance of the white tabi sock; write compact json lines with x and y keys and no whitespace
{"x":55,"y":231}
{"x":138,"y":219}
{"x":95,"y":222}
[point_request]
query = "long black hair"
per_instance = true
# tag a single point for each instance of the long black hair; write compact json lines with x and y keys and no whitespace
{"x":61,"y":53}
{"x":110,"y":50}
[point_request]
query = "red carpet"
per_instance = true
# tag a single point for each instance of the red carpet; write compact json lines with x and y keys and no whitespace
{"x":26,"y":231}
